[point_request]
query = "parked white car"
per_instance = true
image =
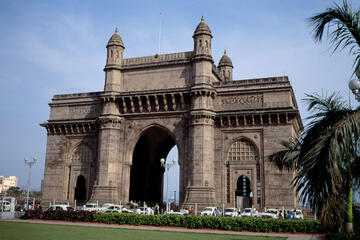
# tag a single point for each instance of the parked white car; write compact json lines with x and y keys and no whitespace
{"x":171,"y":212}
{"x":63,"y":207}
{"x":230,"y":212}
{"x":248,"y":212}
{"x":208,"y":211}
{"x":270,"y":213}
{"x":144,"y":210}
{"x":91,"y":207}
{"x":298,"y":214}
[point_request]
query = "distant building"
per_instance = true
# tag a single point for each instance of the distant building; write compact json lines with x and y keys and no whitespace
{"x":6,"y":183}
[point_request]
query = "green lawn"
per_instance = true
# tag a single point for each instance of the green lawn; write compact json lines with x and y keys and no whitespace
{"x":36,"y":231}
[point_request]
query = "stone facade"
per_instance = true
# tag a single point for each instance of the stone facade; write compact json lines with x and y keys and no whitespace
{"x":106,"y":146}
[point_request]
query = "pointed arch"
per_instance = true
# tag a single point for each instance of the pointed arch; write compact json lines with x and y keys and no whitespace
{"x":82,"y":153}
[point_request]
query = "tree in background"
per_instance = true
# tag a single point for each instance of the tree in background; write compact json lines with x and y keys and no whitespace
{"x":326,"y":160}
{"x":14,"y":192}
{"x":342,"y":26}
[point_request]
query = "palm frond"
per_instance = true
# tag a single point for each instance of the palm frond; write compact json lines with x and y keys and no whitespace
{"x":287,"y":159}
{"x":343,"y":29}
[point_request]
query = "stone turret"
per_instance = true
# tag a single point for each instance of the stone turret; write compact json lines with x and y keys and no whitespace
{"x":115,"y":52}
{"x":203,"y":61}
{"x":202,"y":40}
{"x":225,"y":68}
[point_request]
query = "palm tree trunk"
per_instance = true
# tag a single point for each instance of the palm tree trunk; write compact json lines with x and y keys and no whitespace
{"x":349,"y":222}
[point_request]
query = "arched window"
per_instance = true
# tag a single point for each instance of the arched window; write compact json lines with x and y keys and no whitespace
{"x":82,"y":153}
{"x":242,"y":150}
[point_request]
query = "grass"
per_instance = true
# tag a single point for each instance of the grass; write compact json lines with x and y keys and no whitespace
{"x":25,"y":231}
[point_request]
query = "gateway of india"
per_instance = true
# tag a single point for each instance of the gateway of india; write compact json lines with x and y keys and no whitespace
{"x":106,"y":146}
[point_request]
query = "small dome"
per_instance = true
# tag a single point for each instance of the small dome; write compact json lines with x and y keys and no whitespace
{"x":202,"y":28}
{"x":225,"y":60}
{"x":115,"y":40}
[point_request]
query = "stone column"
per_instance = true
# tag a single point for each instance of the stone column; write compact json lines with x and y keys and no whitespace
{"x":201,"y":189}
{"x":109,"y":162}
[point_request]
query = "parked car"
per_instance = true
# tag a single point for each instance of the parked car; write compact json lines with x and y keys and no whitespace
{"x":171,"y":212}
{"x":63,"y":207}
{"x":248,"y":212}
{"x":125,"y":210}
{"x":118,"y":209}
{"x":91,"y":207}
{"x":298,"y":214}
{"x":144,"y":210}
{"x":231,"y":212}
{"x":208,"y":211}
{"x":270,"y":213}
{"x":106,"y":206}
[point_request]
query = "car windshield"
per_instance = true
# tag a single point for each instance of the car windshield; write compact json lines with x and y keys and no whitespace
{"x":298,"y":212}
{"x":208,"y":209}
{"x":247,"y":210}
{"x":229,"y":210}
{"x":89,"y":205}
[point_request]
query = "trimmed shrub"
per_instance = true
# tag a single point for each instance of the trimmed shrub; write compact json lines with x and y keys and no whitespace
{"x":222,"y":223}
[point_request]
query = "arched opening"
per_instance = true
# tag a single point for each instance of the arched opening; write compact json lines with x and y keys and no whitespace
{"x":147,"y":174}
{"x":243,"y":187}
{"x":80,"y":189}
{"x":174,"y":176}
{"x":243,"y":193}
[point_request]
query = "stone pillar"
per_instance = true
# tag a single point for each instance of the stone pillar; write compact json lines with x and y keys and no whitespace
{"x":201,"y":189}
{"x":109,"y":162}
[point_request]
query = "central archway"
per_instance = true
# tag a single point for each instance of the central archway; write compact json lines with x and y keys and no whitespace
{"x":147,"y":174}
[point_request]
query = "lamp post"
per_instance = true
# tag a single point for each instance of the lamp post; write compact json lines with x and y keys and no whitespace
{"x":167,"y":166}
{"x":29,"y":163}
{"x":354,"y":86}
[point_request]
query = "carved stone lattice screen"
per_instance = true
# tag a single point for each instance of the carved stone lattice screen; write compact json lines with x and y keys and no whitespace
{"x":242,"y":150}
{"x":82,"y":153}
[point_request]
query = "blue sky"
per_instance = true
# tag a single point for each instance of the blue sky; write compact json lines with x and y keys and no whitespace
{"x":53,"y":47}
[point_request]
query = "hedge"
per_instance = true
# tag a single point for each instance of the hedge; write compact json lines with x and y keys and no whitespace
{"x":222,"y":223}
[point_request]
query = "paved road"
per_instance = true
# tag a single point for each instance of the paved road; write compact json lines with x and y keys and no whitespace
{"x":289,"y":236}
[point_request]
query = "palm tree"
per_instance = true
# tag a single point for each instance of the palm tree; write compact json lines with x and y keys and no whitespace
{"x":343,"y":30}
{"x":326,"y":159}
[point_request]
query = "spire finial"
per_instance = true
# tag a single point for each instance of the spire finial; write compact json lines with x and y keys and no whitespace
{"x":202,"y":18}
{"x":116,"y":30}
{"x":225,"y":52}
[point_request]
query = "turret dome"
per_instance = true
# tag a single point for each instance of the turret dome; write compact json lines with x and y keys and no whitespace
{"x":225,"y":61}
{"x":202,"y":28}
{"x":115,"y":40}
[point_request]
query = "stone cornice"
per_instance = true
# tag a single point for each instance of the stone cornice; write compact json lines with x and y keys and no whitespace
{"x":70,"y":127}
{"x":253,"y":119}
{"x":255,"y":81}
{"x":109,"y":121}
{"x":155,"y":60}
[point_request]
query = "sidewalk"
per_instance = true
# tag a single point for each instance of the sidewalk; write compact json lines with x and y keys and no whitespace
{"x":290,"y":236}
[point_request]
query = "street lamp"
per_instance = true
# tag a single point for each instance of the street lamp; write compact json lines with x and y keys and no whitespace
{"x":29,"y":163}
{"x":167,"y":166}
{"x":354,"y":86}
